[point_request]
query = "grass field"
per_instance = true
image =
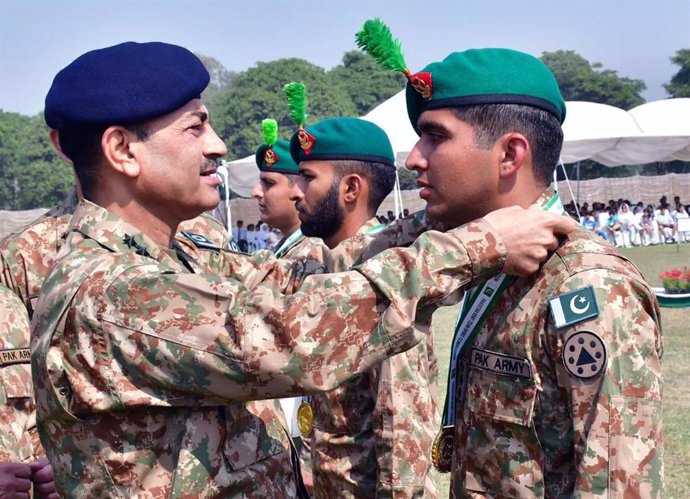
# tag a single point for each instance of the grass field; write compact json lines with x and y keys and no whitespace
{"x":652,"y":261}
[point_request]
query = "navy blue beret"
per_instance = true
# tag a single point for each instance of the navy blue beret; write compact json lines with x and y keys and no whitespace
{"x":123,"y":84}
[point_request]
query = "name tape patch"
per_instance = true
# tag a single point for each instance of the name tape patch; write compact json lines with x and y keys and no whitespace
{"x":500,"y":363}
{"x":15,"y":356}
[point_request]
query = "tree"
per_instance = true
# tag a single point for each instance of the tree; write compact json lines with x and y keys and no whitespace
{"x":579,"y":79}
{"x":221,"y":79}
{"x":679,"y":86}
{"x":365,"y":82}
{"x":32,"y":175}
{"x":257,"y":93}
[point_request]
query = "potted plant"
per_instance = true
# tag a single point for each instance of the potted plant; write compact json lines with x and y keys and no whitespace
{"x":676,"y":290}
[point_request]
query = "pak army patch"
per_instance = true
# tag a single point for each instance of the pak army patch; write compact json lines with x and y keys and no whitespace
{"x":573,"y":307}
{"x":584,"y":355}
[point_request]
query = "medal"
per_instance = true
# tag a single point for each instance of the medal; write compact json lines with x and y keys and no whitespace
{"x":305,"y":418}
{"x":442,"y":449}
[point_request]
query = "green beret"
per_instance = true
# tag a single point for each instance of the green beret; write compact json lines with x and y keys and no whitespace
{"x":484,"y":76}
{"x":342,"y":138}
{"x":277,"y":160}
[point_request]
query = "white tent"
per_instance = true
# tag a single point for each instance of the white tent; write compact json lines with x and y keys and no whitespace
{"x":656,"y":131}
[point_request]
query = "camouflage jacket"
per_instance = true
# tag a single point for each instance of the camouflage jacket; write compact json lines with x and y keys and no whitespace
{"x":17,"y":412}
{"x":373,"y":435}
{"x":27,"y":255}
{"x":566,"y":411}
{"x":303,"y":247}
{"x":137,"y":362}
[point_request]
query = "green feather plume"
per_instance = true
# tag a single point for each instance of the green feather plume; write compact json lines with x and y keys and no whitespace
{"x":296,"y":94}
{"x":269,"y":128}
{"x":375,"y":39}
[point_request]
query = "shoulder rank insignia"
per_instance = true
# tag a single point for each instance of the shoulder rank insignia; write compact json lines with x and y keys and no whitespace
{"x":573,"y":307}
{"x":200,"y":241}
{"x":584,"y":355}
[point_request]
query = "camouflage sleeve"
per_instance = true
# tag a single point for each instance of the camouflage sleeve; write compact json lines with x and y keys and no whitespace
{"x":462,"y":257}
{"x":9,"y":272}
{"x":17,"y":408}
{"x":405,"y":422}
{"x":614,"y":394}
{"x":231,"y":341}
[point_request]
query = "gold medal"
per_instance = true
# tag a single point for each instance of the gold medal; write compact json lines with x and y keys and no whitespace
{"x":305,"y":418}
{"x":442,"y":449}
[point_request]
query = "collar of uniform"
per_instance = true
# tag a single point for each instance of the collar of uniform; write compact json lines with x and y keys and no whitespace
{"x":545,"y":196}
{"x":113,"y":232}
{"x":371,"y":224}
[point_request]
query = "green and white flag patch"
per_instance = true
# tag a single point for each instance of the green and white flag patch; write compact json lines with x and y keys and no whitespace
{"x":573,"y":307}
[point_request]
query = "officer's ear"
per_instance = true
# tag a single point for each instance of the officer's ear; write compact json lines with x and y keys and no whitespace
{"x":116,"y":144}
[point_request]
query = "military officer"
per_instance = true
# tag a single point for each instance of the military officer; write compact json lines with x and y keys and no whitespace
{"x":368,"y":432}
{"x":554,"y":377}
{"x":139,"y":361}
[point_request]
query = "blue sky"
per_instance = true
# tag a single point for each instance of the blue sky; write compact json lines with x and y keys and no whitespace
{"x":39,"y":37}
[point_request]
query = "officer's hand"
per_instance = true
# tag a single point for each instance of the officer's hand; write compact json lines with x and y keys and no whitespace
{"x":529,"y":234}
{"x":14,"y":480}
{"x":42,"y":478}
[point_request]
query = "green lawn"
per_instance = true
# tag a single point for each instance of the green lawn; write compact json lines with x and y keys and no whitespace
{"x":652,"y":261}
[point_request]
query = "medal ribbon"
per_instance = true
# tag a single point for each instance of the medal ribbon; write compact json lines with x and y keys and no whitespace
{"x":288,"y":243}
{"x":476,"y":306}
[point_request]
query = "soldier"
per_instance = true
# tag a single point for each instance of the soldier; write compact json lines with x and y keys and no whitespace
{"x":21,"y":457}
{"x":140,"y":363}
{"x":555,"y":378}
{"x":277,"y":177}
{"x":372,"y":436}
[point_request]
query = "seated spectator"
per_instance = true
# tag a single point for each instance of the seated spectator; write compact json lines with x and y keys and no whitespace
{"x":588,"y":221}
{"x":629,"y":229}
{"x":649,"y":232}
{"x":613,"y":229}
{"x":681,"y":213}
{"x":667,"y":226}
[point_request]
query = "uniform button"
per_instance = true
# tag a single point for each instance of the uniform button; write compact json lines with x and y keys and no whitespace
{"x":63,"y":391}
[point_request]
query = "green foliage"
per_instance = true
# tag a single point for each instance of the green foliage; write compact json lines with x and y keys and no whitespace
{"x":32,"y":175}
{"x":408,"y":179}
{"x":365,"y":82}
{"x":376,"y":39}
{"x":258,"y":92}
{"x":579,"y":79}
{"x":679,"y":86}
{"x":221,"y":80}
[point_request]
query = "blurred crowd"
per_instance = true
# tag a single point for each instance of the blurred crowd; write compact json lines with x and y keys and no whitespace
{"x":626,"y":224}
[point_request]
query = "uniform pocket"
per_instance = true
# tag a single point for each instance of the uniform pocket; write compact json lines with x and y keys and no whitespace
{"x":16,"y":381}
{"x":501,"y":444}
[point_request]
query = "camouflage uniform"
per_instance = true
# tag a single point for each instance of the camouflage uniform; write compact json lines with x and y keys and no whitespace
{"x":373,"y":435}
{"x":17,"y":410}
{"x":136,"y":360}
{"x":530,"y":426}
{"x":301,"y":248}
{"x":26,"y":256}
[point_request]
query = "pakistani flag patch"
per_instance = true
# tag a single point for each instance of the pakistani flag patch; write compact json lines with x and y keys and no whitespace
{"x":573,"y":307}
{"x":201,"y":241}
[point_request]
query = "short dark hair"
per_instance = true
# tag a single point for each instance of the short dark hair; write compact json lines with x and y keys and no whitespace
{"x":542,"y":129}
{"x":381,"y":178}
{"x":82,"y":145}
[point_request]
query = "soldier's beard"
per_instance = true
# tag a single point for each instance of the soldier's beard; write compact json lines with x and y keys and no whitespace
{"x":326,"y":217}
